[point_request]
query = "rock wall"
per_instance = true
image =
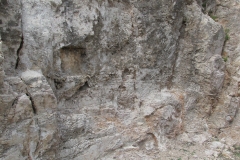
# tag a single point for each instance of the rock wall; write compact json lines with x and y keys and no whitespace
{"x":127,"y":79}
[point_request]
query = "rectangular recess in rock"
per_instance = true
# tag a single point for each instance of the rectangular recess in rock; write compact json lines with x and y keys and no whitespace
{"x":72,"y":59}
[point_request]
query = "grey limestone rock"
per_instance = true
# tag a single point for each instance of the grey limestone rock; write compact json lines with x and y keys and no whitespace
{"x":126,"y":79}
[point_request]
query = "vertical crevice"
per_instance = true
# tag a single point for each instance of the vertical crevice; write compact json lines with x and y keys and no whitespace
{"x":18,"y":52}
{"x":33,"y":105}
{"x":171,"y":77}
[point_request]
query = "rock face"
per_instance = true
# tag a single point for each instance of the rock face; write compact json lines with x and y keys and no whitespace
{"x":127,"y":79}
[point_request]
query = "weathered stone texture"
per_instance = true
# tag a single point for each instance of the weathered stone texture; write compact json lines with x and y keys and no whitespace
{"x":127,"y":79}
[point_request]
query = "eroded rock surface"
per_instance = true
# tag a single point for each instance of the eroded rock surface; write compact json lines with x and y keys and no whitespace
{"x":128,"y":79}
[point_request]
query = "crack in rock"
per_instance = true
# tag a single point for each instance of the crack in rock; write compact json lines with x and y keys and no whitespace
{"x":18,"y":52}
{"x":32,"y":102}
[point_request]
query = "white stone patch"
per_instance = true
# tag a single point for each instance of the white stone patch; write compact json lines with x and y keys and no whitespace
{"x":30,"y":74}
